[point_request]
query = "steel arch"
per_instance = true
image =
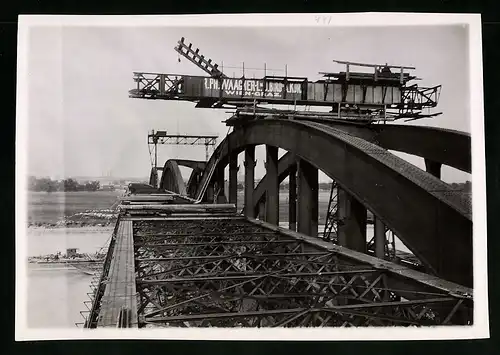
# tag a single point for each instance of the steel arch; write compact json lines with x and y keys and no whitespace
{"x":445,"y":146}
{"x":427,"y":215}
{"x":427,"y":142}
{"x":171,"y":179}
{"x":193,"y":164}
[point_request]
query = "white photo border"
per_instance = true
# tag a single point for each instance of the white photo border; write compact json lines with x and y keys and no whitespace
{"x":480,"y":328}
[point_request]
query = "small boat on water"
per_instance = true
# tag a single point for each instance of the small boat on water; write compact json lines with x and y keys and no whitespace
{"x":89,"y":264}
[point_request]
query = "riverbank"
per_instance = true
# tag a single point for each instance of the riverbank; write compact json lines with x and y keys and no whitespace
{"x":61,"y":209}
{"x":89,"y":223}
{"x":50,"y":241}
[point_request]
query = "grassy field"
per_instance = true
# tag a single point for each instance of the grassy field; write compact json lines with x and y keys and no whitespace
{"x":84,"y":207}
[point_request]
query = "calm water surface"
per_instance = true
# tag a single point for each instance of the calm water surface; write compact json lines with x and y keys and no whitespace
{"x":56,"y":295}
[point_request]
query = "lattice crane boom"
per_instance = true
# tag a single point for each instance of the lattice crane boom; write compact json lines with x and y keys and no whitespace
{"x":198,"y":59}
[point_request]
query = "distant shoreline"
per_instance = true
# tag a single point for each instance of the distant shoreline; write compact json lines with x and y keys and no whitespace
{"x":87,"y":227}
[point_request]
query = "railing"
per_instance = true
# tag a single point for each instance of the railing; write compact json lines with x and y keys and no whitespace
{"x":420,"y":97}
{"x":151,"y":85}
{"x":92,"y":319}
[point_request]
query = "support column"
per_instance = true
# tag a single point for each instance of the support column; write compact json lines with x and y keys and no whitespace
{"x":272,"y":194}
{"x":249,"y":180}
{"x":262,"y":211}
{"x":210,"y":193}
{"x":379,"y":233}
{"x":219,"y":178}
{"x":292,"y":199}
{"x":307,"y":219}
{"x":433,"y":168}
{"x":233,"y":178}
{"x":352,"y":222}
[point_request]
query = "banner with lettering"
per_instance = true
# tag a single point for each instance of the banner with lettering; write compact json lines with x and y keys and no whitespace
{"x":247,"y":88}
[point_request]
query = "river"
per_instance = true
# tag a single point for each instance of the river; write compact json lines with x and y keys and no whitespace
{"x":56,"y":295}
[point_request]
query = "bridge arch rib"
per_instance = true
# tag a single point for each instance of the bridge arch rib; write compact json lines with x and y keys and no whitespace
{"x":430,"y":219}
{"x":171,"y":178}
{"x":443,"y":146}
{"x":430,"y":143}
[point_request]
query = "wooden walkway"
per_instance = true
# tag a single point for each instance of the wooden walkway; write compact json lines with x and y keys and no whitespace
{"x":119,"y":302}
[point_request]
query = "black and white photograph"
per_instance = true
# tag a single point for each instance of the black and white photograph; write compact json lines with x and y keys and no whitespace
{"x":287,"y":177}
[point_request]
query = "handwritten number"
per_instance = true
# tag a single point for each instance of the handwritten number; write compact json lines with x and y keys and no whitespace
{"x":324,"y":20}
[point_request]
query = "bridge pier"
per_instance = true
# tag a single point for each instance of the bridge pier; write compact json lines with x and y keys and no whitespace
{"x":292,"y":199}
{"x":433,"y":168}
{"x":352,"y":222}
{"x":233,"y":178}
{"x":249,"y":180}
{"x":272,"y":197}
{"x":379,"y":233}
{"x":307,"y":219}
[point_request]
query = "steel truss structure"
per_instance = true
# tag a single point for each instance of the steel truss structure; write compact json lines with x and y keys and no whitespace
{"x":233,"y":272}
{"x":357,"y":96}
{"x":161,"y":137}
{"x":331,"y":222}
{"x":391,"y":253}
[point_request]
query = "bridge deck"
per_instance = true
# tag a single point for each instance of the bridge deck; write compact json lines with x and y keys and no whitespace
{"x":120,"y":292}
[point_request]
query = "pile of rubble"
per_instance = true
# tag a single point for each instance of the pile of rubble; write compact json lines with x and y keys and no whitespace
{"x":89,"y":218}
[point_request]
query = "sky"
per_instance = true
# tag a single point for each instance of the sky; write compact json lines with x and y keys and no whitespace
{"x":82,"y":122}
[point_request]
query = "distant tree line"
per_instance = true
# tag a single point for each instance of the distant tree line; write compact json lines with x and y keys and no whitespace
{"x":49,"y":185}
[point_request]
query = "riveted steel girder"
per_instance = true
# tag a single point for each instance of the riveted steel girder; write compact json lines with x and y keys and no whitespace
{"x":426,"y":214}
{"x":242,"y":273}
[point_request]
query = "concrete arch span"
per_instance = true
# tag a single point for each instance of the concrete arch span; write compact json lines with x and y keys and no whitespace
{"x":427,"y":215}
